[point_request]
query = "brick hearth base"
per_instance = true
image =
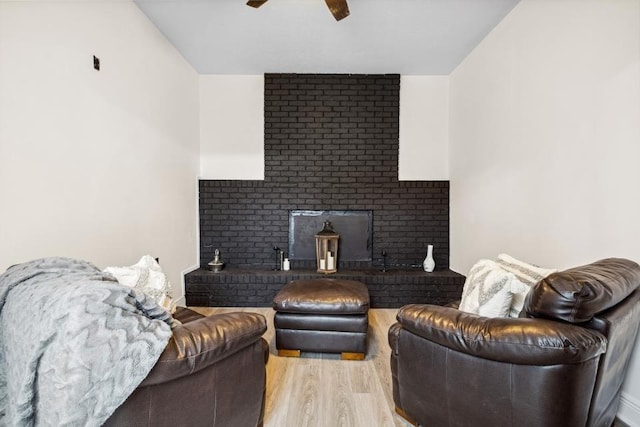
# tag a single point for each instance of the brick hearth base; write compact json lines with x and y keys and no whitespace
{"x":256,"y":288}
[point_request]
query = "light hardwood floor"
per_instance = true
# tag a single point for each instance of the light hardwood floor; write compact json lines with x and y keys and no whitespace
{"x":320,"y":390}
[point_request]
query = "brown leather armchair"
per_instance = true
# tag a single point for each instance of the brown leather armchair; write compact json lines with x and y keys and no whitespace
{"x":562,"y":363}
{"x":212,"y":373}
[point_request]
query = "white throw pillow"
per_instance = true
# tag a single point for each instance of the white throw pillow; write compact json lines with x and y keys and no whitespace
{"x":147,"y":276}
{"x":488,"y":290}
{"x":527,"y":274}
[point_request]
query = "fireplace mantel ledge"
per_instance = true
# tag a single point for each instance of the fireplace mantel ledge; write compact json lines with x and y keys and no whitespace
{"x":229,"y":271}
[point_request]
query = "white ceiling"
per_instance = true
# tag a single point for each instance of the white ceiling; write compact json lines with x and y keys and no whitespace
{"x":424,"y":37}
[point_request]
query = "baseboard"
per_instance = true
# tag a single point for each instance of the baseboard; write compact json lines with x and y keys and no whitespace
{"x":629,"y":411}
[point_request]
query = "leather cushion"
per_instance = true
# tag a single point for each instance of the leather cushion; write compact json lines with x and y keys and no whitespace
{"x":334,"y":322}
{"x":321,"y":341}
{"x":323,"y":296}
{"x":577,"y":294}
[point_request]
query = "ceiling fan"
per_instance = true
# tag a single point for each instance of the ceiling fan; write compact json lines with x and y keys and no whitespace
{"x":339,"y":8}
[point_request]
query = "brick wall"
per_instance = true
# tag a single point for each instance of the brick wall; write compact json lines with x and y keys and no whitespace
{"x":331,"y":143}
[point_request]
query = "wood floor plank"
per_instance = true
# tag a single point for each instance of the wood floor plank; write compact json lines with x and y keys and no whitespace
{"x":338,"y":404}
{"x":305,"y":411}
{"x":320,"y":390}
{"x":278,"y":395}
{"x":360,"y":377}
{"x":380,"y":323}
{"x":370,"y":411}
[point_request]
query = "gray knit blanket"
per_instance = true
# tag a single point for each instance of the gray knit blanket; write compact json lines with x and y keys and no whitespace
{"x":74,"y":343}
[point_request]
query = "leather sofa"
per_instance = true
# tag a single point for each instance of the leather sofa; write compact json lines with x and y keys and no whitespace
{"x":561,"y":363}
{"x":212,"y":373}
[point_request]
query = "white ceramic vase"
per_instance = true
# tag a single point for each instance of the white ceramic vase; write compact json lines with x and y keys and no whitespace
{"x":429,"y":264}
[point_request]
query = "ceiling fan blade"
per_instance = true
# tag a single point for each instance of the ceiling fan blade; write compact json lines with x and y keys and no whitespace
{"x":339,"y":8}
{"x":256,"y":3}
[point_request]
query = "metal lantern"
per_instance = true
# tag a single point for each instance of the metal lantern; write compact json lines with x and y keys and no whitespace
{"x":327,"y":249}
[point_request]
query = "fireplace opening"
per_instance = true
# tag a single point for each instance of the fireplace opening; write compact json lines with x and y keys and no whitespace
{"x":355,"y":228}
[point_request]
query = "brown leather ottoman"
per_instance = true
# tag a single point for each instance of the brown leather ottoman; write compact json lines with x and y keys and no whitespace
{"x":324,"y":316}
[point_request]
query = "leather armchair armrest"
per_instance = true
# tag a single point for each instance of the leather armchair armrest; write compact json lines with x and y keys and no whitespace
{"x":393,"y":336}
{"x":201,"y":343}
{"x":511,"y":340}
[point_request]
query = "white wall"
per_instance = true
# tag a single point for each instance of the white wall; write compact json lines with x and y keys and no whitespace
{"x":545,"y":142}
{"x":232,"y":127}
{"x":424,"y":128}
{"x":95,"y":165}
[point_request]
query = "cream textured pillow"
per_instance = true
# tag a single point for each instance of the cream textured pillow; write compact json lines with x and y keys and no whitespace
{"x":488,"y":290}
{"x":147,"y":276}
{"x":527,"y":274}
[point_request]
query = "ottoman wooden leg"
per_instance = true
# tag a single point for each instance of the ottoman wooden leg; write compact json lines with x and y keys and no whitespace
{"x":352,"y":356}
{"x":404,"y":415}
{"x":288,"y":353}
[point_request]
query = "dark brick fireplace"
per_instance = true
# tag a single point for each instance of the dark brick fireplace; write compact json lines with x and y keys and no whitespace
{"x":331,"y":143}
